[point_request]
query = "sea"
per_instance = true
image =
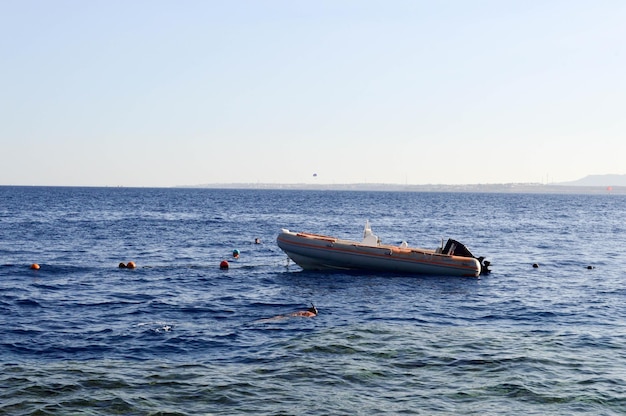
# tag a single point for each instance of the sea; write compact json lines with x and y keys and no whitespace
{"x":543,"y":334}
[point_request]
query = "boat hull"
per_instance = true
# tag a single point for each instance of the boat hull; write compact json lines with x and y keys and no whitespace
{"x":316,"y":252}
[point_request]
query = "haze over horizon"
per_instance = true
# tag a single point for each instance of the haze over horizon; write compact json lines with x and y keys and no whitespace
{"x":589,"y":180}
{"x":155,"y":93}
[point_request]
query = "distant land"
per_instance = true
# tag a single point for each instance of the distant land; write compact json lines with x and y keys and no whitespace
{"x":592,"y":184}
{"x":598,"y":180}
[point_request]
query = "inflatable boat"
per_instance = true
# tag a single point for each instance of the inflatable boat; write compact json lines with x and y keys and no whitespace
{"x":320,"y":252}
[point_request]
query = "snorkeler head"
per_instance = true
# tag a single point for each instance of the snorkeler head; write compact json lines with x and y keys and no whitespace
{"x":312,"y":309}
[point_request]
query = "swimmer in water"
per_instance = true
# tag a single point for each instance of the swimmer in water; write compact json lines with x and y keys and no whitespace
{"x":309,"y":313}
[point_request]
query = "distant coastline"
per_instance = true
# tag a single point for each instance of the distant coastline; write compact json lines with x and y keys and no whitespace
{"x":511,"y":188}
{"x":591,"y":184}
{"x":535,"y":188}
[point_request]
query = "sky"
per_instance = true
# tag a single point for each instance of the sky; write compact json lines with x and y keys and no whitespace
{"x":171,"y":93}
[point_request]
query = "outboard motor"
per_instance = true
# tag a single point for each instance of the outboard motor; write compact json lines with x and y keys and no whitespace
{"x":484,"y":265}
{"x":455,"y":248}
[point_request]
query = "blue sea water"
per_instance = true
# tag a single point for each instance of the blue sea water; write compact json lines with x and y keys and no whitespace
{"x":179,"y":336}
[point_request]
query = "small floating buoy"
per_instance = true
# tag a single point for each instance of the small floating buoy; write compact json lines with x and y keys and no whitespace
{"x":224,"y":265}
{"x":130,"y":265}
{"x":236,"y":254}
{"x":122,"y":266}
{"x":535,"y":265}
{"x":34,"y":266}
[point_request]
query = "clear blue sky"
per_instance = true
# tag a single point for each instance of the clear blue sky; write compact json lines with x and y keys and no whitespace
{"x":165,"y":93}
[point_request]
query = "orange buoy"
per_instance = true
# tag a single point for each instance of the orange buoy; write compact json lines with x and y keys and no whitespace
{"x":130,"y":265}
{"x":34,"y":266}
{"x":224,"y":265}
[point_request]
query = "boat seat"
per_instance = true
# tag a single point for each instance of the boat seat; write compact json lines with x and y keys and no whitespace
{"x":369,"y":238}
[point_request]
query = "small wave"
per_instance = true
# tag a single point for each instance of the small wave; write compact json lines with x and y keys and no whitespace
{"x":28,"y":303}
{"x":156,"y":327}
